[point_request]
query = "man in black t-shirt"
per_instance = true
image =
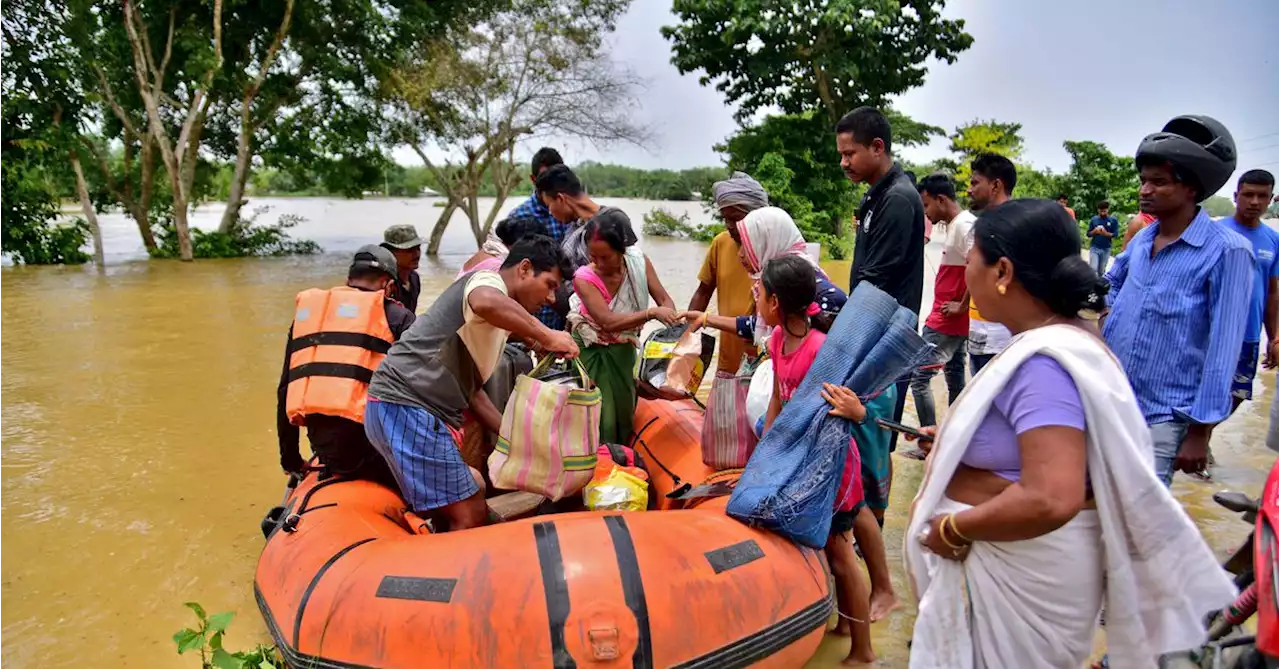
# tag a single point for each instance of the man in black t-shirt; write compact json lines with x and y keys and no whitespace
{"x":888,"y":247}
{"x":889,"y":240}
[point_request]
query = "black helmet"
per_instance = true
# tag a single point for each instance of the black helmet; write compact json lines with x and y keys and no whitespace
{"x":1199,"y":148}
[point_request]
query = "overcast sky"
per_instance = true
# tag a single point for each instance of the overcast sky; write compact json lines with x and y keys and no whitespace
{"x":1103,"y":70}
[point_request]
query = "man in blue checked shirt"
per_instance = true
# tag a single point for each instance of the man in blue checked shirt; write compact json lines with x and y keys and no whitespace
{"x":1180,"y":294}
{"x":543,"y":160}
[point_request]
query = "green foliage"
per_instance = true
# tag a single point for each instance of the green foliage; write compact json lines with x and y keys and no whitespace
{"x":38,"y":112}
{"x":1032,"y":182}
{"x":246,"y":238}
{"x":806,"y":147}
{"x":1218,"y":206}
{"x":620,"y":181}
{"x":800,"y":57}
{"x":206,"y":638}
{"x":1096,"y":174}
{"x":978,"y":137}
{"x":662,"y":223}
{"x":804,"y":164}
{"x":777,"y":178}
{"x":44,"y":242}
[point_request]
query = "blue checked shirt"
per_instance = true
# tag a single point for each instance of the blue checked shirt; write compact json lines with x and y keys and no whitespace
{"x":1177,"y":320}
{"x":556,"y":230}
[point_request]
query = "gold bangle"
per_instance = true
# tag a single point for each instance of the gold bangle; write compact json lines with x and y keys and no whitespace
{"x":942,"y":534}
{"x":956,"y":530}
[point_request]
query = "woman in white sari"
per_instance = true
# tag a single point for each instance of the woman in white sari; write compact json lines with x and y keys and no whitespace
{"x":1040,"y":503}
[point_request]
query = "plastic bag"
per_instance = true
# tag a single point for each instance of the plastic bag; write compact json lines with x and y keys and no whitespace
{"x":621,"y":489}
{"x":673,"y":361}
{"x":760,"y":392}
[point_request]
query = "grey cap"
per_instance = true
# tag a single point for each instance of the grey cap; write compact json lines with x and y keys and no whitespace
{"x":375,"y":257}
{"x":402,"y":236}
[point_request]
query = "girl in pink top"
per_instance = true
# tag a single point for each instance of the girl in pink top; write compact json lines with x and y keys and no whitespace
{"x":787,"y":286}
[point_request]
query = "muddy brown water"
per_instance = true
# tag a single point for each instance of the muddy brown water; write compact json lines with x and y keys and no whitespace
{"x":139,"y":447}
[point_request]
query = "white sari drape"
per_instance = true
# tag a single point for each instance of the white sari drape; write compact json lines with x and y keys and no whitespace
{"x":1034,"y":603}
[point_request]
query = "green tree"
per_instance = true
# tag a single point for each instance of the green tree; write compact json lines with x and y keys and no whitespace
{"x":805,"y":145}
{"x":978,"y":137}
{"x":1095,"y":175}
{"x":537,"y":67}
{"x":815,"y":62}
{"x":176,"y":87}
{"x":805,"y":56}
{"x":1043,"y":184}
{"x":41,"y":116}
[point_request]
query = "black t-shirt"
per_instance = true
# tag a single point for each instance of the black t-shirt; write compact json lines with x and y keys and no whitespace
{"x":889,"y":247}
{"x":398,"y":320}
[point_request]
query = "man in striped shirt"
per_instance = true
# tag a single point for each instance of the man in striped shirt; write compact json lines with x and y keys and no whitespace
{"x":1180,"y":294}
{"x":543,"y":160}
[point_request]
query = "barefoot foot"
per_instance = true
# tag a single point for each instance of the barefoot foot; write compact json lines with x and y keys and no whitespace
{"x":856,"y":659}
{"x":882,"y":603}
{"x":841,"y":628}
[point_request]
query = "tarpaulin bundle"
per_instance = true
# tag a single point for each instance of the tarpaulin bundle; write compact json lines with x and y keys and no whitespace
{"x":789,"y":485}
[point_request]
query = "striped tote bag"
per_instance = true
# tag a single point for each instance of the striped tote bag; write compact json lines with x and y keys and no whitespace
{"x":549,"y":435}
{"x":728,"y":437}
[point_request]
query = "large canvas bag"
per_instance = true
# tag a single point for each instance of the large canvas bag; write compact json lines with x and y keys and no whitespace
{"x":728,"y":437}
{"x":549,"y":435}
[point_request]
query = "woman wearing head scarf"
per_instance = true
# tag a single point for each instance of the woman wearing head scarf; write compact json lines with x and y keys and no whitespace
{"x":1039,"y":503}
{"x":769,"y":233}
{"x":722,"y":273}
{"x":609,"y":306}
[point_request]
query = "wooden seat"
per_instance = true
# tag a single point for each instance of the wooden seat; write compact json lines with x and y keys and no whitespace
{"x":515,"y":505}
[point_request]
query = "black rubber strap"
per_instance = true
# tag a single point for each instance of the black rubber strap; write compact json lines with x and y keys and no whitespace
{"x":334,"y":369}
{"x":356,"y":339}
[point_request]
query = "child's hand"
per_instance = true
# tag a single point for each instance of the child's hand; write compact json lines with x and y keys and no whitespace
{"x":844,"y":402}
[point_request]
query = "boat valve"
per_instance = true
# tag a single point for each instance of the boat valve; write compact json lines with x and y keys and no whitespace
{"x":604,"y":643}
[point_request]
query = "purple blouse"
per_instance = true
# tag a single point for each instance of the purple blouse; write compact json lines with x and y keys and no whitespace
{"x":1040,"y":394}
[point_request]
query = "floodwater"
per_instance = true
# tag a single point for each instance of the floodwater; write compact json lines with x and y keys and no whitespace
{"x":139,"y":448}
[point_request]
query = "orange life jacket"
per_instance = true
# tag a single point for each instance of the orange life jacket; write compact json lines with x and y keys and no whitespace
{"x":339,"y":337}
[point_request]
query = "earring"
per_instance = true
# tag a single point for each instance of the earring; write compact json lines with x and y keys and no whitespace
{"x":1001,"y":289}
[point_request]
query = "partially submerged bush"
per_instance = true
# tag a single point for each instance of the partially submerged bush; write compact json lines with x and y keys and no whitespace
{"x":245,"y":239}
{"x":661,"y":223}
{"x":47,"y":243}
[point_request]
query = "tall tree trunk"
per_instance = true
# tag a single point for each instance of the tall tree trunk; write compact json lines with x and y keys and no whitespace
{"x":140,"y":209}
{"x":437,"y":231}
{"x":235,"y":199}
{"x":174,"y":153}
{"x":473,"y":216}
{"x":82,"y":189}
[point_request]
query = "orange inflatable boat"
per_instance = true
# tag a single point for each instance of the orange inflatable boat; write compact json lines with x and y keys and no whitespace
{"x":348,"y":579}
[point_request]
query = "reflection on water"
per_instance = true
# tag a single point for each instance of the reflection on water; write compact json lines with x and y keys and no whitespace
{"x":139,"y":449}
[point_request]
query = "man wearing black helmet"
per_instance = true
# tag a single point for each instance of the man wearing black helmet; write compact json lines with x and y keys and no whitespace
{"x":1180,"y":294}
